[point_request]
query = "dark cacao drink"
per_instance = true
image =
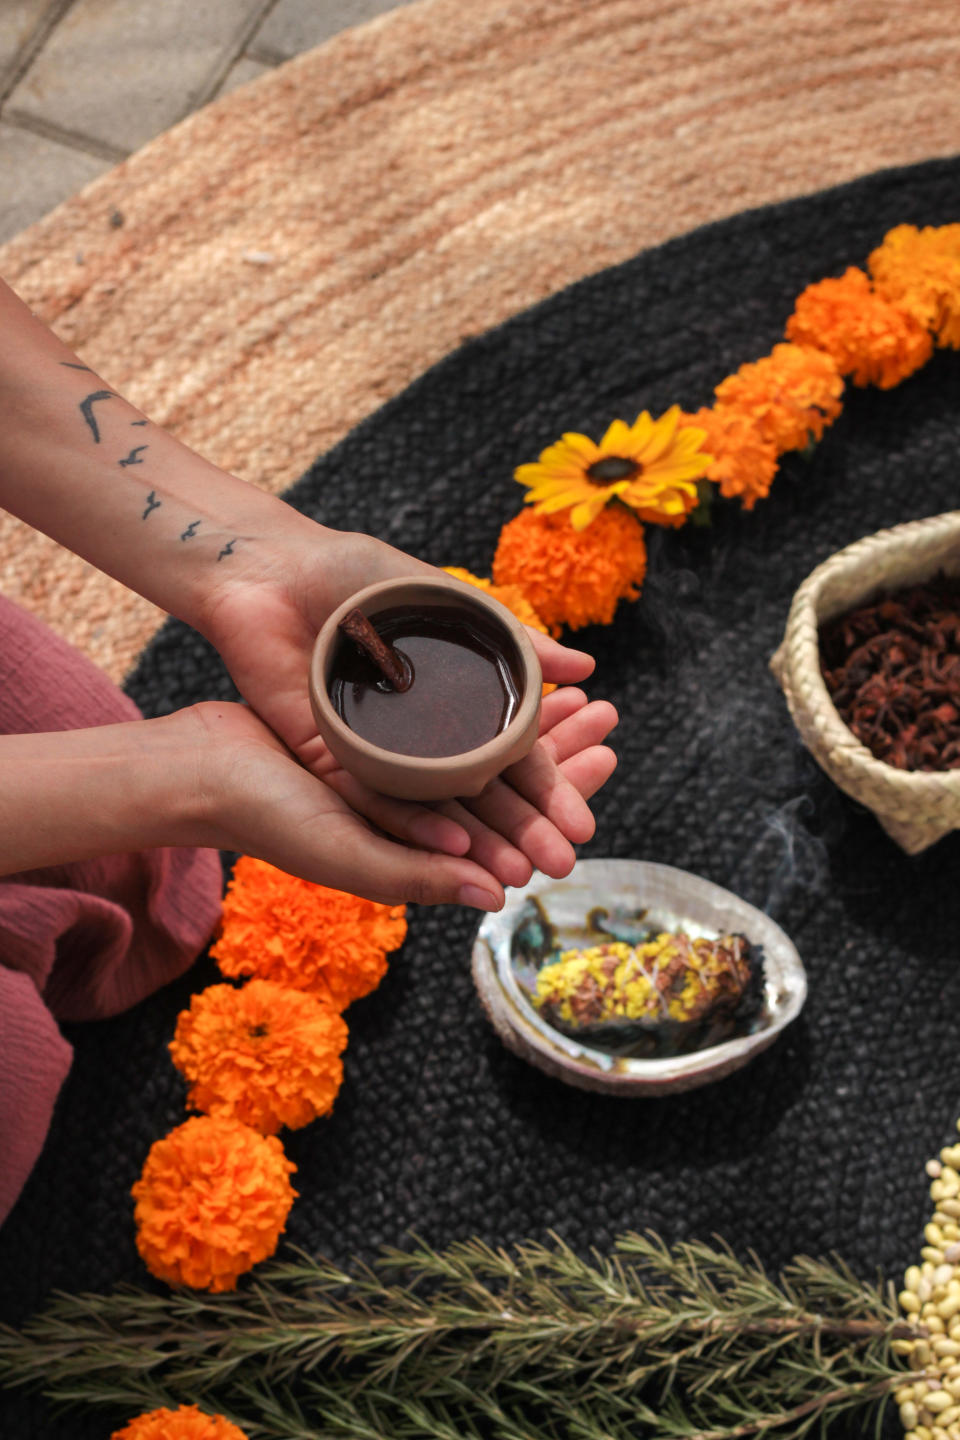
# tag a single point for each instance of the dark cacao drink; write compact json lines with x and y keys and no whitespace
{"x":464,"y":689}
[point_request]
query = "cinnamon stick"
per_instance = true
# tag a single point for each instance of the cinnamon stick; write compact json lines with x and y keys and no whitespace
{"x":388,"y":660}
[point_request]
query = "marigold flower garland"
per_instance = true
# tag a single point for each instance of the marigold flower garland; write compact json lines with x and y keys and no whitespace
{"x":874,"y":329}
{"x":214,"y":1195}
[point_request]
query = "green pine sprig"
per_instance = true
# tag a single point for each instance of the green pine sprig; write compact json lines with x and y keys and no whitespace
{"x":688,"y":1342}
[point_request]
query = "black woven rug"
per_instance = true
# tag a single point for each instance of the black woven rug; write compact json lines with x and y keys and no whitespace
{"x":820,"y":1144}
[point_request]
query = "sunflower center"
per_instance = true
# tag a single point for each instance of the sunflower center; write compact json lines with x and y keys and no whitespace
{"x":611,"y":468}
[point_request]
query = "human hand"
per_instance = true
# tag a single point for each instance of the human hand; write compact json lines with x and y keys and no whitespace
{"x":264,"y":618}
{"x":211,"y":774}
{"x":252,"y":795}
{"x":258,"y":579}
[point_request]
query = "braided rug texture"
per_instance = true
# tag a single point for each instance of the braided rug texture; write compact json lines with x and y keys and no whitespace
{"x":295,"y":254}
{"x":820,"y":1143}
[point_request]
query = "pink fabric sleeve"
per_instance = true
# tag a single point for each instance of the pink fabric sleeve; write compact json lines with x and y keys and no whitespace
{"x":81,"y":941}
{"x":34,"y":1060}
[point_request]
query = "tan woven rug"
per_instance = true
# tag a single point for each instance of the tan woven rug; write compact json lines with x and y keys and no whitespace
{"x":299,"y":251}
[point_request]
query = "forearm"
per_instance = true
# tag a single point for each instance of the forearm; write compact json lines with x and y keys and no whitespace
{"x":75,"y":794}
{"x":85,"y":467}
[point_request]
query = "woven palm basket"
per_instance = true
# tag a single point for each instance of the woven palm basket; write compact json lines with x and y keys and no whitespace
{"x":914,"y":807}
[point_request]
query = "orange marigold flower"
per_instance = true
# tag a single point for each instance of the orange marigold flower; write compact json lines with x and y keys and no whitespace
{"x":573,"y":577}
{"x":651,"y":465}
{"x":744,"y":463}
{"x":306,"y":936}
{"x":266,"y":1055}
{"x":791,"y":394}
{"x":867,"y":337}
{"x":187,"y":1422}
{"x":212,"y":1201}
{"x":919,"y":270}
{"x":511,"y":596}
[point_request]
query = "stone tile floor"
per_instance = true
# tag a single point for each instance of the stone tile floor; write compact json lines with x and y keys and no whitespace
{"x":83,"y":83}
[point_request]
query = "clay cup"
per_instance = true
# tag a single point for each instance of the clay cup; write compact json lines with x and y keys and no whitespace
{"x":412,"y":777}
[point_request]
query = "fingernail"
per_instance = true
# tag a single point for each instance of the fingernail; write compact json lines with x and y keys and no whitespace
{"x":478,"y":899}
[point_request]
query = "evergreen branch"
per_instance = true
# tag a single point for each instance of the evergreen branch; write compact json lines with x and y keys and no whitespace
{"x":533,"y":1344}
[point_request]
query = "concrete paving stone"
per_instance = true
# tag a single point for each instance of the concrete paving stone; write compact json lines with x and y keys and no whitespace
{"x":297,"y":25}
{"x":36,"y":174}
{"x":18,"y":23}
{"x":121,"y":71}
{"x":245,"y":69}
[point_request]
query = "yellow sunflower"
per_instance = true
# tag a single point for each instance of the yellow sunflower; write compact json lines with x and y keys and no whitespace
{"x":651,"y":465}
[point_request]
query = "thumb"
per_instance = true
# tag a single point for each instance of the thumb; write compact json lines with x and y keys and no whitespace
{"x":560,"y":664}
